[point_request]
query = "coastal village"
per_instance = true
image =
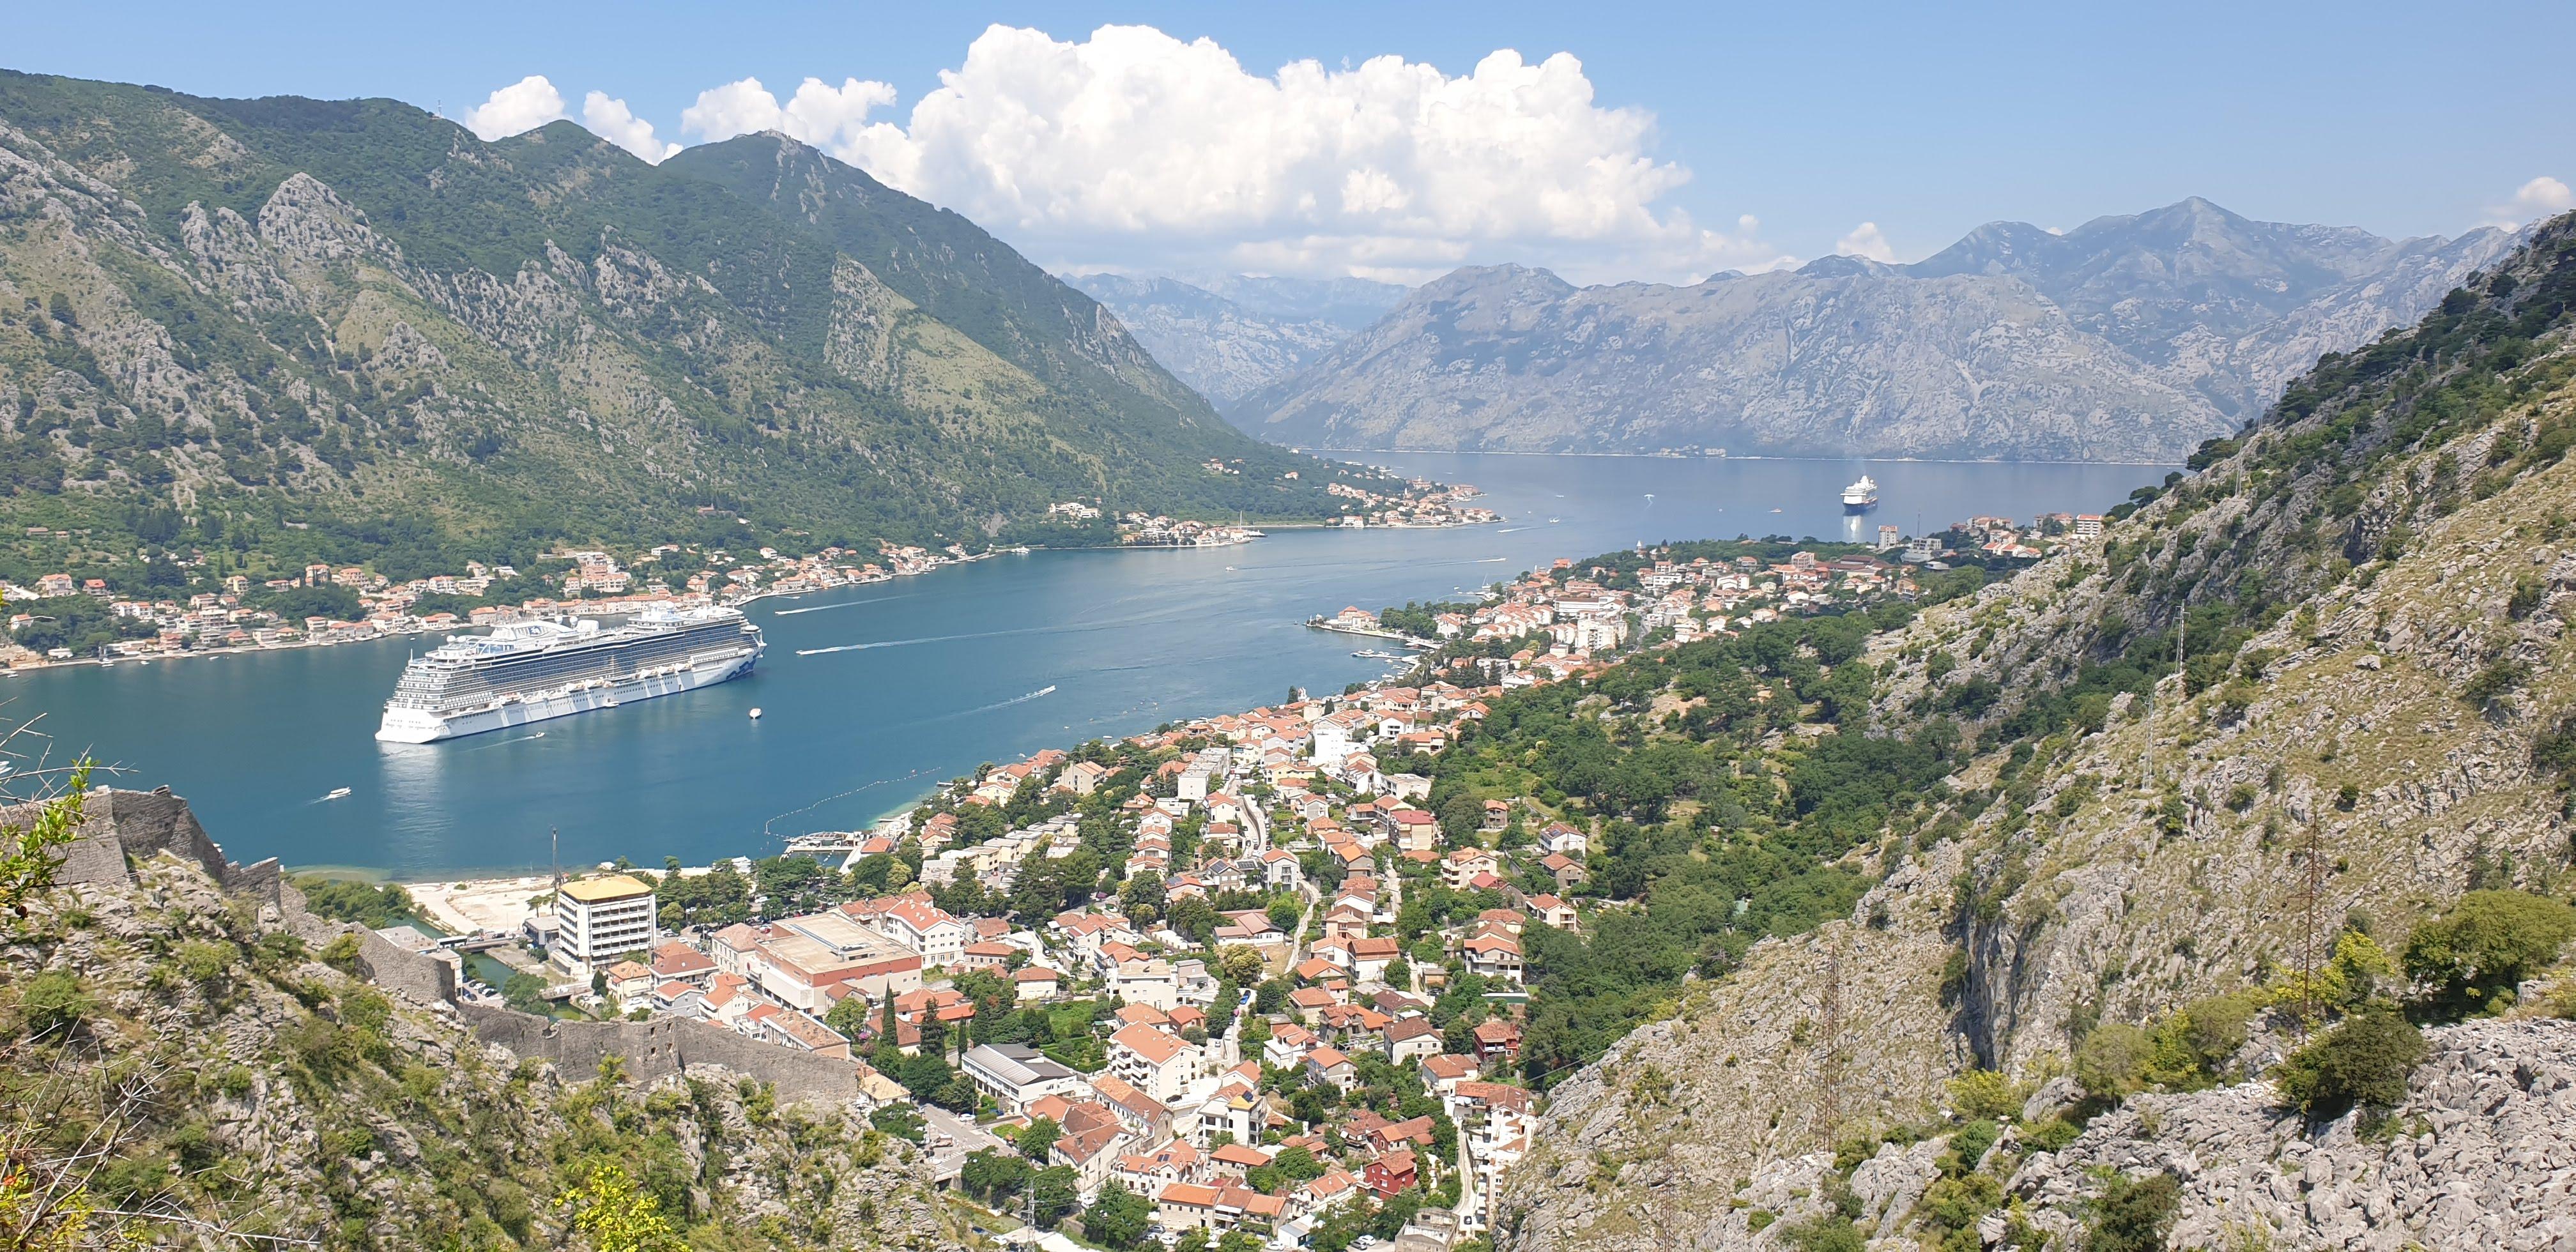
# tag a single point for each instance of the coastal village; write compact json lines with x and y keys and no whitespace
{"x":1235,"y":981}
{"x":237,"y":612}
{"x":247,"y":614}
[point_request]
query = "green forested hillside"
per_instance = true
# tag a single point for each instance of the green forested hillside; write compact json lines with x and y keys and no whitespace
{"x":287,"y":329}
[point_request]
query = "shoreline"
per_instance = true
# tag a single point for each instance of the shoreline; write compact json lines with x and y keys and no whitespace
{"x":42,"y":664}
{"x":1676,"y":456}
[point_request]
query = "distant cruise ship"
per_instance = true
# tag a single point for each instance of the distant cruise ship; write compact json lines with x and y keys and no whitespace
{"x":531,"y":671}
{"x":1861,"y":496}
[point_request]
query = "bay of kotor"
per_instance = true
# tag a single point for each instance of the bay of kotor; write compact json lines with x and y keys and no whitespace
{"x":870,"y":694}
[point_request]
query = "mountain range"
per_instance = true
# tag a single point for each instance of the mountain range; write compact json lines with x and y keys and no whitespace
{"x":2125,"y":339}
{"x":1228,"y":335}
{"x":342,"y":330}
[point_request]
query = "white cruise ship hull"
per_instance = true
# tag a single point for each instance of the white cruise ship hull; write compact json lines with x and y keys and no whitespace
{"x":424,"y":726}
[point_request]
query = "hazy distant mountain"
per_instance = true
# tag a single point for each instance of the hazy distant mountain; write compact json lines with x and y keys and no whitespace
{"x":1227,"y":335}
{"x":2127,"y":338}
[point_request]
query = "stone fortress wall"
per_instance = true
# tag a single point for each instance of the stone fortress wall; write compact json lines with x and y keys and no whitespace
{"x":119,"y":826}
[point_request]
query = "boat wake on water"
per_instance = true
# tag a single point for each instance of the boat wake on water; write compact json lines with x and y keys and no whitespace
{"x":838,"y":795}
{"x":507,"y":742}
{"x":853,"y":604}
{"x":1075,"y":629}
{"x":1044,"y":691}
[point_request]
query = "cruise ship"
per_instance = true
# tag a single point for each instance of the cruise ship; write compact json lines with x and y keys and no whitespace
{"x":526,"y":672}
{"x":1861,"y":496}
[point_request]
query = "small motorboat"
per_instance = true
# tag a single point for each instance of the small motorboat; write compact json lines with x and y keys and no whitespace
{"x":337,"y":793}
{"x":755,"y":715}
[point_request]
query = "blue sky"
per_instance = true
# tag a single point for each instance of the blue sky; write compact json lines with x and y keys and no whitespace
{"x":1809,"y":119}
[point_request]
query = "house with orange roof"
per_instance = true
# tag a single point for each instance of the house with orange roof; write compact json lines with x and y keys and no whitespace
{"x":1495,"y":956}
{"x":1147,"y":1173}
{"x":1154,"y":1062}
{"x":1234,"y":1160}
{"x":1093,"y":1137}
{"x":1330,"y":1065}
{"x":1555,"y":912}
{"x":1147,"y":1120}
{"x":1182,"y":1207}
{"x":1462,"y":866}
{"x":1442,"y":1073}
{"x":1288,"y":1045}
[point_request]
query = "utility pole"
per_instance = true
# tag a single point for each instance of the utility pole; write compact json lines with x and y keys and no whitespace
{"x":554,"y":854}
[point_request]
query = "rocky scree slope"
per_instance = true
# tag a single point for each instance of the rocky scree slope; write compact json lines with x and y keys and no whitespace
{"x":351,"y":328}
{"x":2127,"y":339}
{"x":2371,"y":591}
{"x":233,"y":1084}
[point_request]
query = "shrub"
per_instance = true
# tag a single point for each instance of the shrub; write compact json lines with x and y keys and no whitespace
{"x":1826,"y":1234}
{"x":2365,"y":1060}
{"x":2111,"y":1061}
{"x":55,"y":1003}
{"x":1983,"y":1094}
{"x":2133,"y":1214}
{"x":341,"y":954}
{"x":2472,"y":958}
{"x":204,"y":963}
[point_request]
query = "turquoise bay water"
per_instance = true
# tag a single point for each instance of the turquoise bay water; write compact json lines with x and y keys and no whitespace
{"x":929,"y":677}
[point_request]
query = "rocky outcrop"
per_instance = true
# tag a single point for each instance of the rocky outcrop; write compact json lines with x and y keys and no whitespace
{"x":2481,"y":1155}
{"x":242,"y":1085}
{"x":2129,"y":338}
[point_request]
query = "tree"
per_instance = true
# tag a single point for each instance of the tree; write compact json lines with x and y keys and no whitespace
{"x":525,"y":992}
{"x":1054,"y":1192}
{"x":1298,"y":1164}
{"x":618,"y":1217}
{"x":1240,"y":965}
{"x":849,"y":1016}
{"x":2475,"y":955}
{"x":1195,"y":917}
{"x":1037,"y":1138}
{"x":1118,"y":1218}
{"x":27,"y":861}
{"x":1461,"y":816}
{"x":2364,"y":1060}
{"x":993,"y":1177}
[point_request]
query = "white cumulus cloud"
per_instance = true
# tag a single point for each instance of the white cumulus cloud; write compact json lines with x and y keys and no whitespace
{"x":828,"y":117}
{"x":1133,"y":146}
{"x":2541,"y":197}
{"x":611,"y":120}
{"x":524,"y":105}
{"x":1865,"y":240}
